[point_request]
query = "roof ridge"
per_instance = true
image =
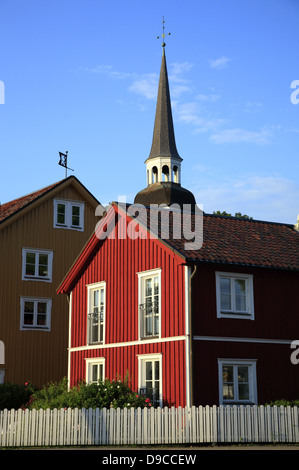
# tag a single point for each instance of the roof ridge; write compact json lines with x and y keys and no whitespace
{"x":248,"y":220}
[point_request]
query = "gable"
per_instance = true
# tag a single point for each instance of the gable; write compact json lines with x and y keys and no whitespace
{"x":12,"y":210}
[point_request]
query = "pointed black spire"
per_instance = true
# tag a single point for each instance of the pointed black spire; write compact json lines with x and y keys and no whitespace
{"x":163,"y":143}
{"x":163,"y":164}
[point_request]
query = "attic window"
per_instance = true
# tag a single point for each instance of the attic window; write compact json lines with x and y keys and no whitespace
{"x":68,"y":214}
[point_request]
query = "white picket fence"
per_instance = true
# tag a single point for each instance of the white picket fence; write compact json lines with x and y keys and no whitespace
{"x":200,"y":425}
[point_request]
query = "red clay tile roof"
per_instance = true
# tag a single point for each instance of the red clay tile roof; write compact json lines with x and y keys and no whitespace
{"x":241,"y":242}
{"x":247,"y":242}
{"x":10,"y":208}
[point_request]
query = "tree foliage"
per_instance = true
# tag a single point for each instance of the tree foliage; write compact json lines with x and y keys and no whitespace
{"x":237,"y":214}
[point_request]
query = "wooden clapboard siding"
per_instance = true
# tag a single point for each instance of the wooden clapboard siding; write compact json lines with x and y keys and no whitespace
{"x":39,"y":356}
{"x":117,"y":262}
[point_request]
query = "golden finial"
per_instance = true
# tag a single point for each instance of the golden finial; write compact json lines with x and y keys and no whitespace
{"x":163,"y":33}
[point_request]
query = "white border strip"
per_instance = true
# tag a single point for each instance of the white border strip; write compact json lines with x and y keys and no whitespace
{"x":128,"y":343}
{"x":243,"y":340}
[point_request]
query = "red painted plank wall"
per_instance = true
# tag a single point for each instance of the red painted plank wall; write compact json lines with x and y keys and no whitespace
{"x":117,"y":262}
{"x":123,"y":361}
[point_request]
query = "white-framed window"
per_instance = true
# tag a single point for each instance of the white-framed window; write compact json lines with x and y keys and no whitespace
{"x":68,"y":214}
{"x":237,"y":381}
{"x":35,"y":313}
{"x":37,"y":265}
{"x":96,"y":307}
{"x":150,"y":377}
{"x":149,"y":303}
{"x":95,"y":370}
{"x":234,"y":295}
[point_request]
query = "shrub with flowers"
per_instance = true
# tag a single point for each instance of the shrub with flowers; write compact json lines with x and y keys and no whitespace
{"x":104,"y":394}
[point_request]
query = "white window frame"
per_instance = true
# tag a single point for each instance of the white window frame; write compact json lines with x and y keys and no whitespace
{"x":90,"y":289}
{"x":251,"y":364}
{"x":142,"y":360}
{"x":35,"y":326}
{"x":95,"y":361}
{"x":69,"y":204}
{"x":36,"y":277}
{"x":233,"y":312}
{"x":142,"y":276}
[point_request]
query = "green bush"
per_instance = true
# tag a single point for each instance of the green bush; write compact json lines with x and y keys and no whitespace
{"x":283,"y":402}
{"x":104,"y":394}
{"x":14,"y":396}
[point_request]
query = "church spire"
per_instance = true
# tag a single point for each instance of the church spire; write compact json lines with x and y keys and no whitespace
{"x":163,"y":165}
{"x":163,"y":143}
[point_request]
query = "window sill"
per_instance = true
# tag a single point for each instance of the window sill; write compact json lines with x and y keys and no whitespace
{"x":244,"y":316}
{"x":33,"y":278}
{"x":70,"y":227}
{"x":149,"y":337}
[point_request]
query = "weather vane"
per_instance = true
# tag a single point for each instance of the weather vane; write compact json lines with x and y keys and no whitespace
{"x":163,"y":33}
{"x":63,"y":162}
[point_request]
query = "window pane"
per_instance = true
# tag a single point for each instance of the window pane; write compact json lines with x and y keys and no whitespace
{"x":43,"y":265}
{"x":225,"y":285}
{"x":240,"y":292}
{"x":148,"y":371}
{"x":30,"y":264}
{"x":28,"y":313}
{"x":41,"y":313}
{"x":225,"y":301}
{"x":225,"y":294}
{"x":95,"y":298}
{"x":156,"y":285}
{"x":243,"y":381}
{"x":148,"y":287}
{"x":243,"y":391}
{"x":243,"y":374}
{"x":240,"y":286}
{"x":228,"y":382}
{"x":75,"y":215}
{"x":94,"y":375}
{"x":149,"y":326}
{"x":240,"y":303}
{"x":228,"y":374}
{"x":157,"y":369}
{"x":61,"y":213}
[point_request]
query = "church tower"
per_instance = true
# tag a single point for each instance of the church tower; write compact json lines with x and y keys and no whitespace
{"x":163,"y":165}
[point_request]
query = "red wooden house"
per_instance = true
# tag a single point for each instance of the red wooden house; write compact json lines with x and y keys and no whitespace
{"x":208,"y":323}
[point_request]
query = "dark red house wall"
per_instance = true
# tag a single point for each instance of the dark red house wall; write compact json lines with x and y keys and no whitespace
{"x":275,"y":294}
{"x":277,"y":377}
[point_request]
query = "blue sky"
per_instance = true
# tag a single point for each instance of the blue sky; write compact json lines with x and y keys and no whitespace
{"x":82,"y":76}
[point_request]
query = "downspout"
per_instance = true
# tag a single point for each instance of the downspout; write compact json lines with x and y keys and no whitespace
{"x":190,"y":333}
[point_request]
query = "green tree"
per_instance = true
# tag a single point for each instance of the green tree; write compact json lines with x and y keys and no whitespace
{"x":237,"y":214}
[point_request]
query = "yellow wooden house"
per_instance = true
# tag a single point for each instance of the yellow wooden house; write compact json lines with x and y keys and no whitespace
{"x":40,"y":236}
